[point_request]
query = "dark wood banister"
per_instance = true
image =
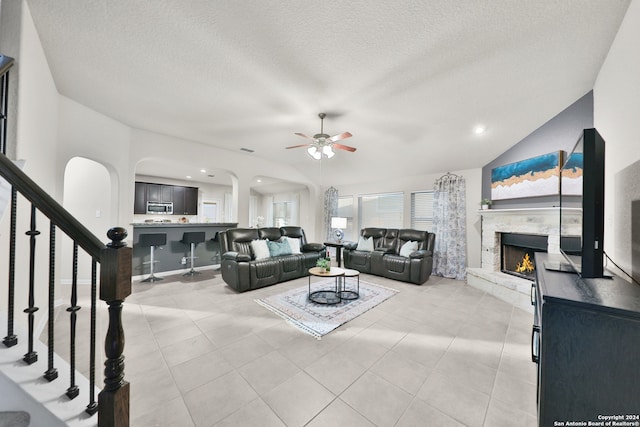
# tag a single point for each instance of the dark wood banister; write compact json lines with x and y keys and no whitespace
{"x":50,"y":208}
{"x":115,"y":287}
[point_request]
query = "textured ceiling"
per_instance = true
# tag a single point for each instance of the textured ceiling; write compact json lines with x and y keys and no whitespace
{"x":409,"y":79}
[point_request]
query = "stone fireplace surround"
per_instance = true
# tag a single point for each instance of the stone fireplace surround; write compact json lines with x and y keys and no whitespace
{"x":537,"y":221}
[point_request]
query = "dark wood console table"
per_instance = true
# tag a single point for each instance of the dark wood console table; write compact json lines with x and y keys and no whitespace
{"x":586,"y":341}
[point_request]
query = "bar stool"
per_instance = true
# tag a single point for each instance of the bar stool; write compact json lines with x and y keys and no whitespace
{"x":192,"y":238}
{"x":152,"y":241}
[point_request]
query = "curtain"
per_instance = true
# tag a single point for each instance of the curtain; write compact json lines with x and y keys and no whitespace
{"x":330,"y":210}
{"x":449,"y":226}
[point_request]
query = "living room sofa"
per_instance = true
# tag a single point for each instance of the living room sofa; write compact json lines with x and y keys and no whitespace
{"x":386,"y":257}
{"x":245,"y":266}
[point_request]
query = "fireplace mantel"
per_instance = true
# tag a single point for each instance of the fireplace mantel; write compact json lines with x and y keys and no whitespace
{"x":552,"y":210}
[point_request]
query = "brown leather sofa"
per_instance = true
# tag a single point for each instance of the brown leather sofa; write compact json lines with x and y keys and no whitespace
{"x":385,"y":259}
{"x":242,"y":271}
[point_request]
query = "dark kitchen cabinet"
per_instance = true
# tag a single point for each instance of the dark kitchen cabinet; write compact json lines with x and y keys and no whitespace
{"x":191,"y":201}
{"x":159,"y":193}
{"x":178,"y":201}
{"x":184,"y":199}
{"x":140,"y":199}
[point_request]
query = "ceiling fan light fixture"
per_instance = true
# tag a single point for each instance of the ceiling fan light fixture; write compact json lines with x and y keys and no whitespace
{"x":313,"y":152}
{"x":328,"y":151}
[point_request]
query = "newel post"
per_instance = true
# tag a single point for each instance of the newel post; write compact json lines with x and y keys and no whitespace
{"x":115,"y":286}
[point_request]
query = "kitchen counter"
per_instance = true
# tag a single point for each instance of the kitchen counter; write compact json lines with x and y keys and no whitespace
{"x":170,"y":256}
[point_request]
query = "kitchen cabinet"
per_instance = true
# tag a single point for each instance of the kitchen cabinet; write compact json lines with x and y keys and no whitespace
{"x":159,"y":193}
{"x":140,"y":200}
{"x":191,"y":201}
{"x":184,"y":199}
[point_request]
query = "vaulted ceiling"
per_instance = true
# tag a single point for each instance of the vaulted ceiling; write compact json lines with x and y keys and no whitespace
{"x":409,"y":79}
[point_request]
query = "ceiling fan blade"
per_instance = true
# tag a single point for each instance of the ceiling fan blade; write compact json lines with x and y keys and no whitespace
{"x":303,"y":135}
{"x":343,"y":147}
{"x":344,"y":135}
{"x":298,"y":146}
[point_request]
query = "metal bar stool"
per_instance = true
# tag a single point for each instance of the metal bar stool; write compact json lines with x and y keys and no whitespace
{"x":153,"y":241}
{"x":192,"y":238}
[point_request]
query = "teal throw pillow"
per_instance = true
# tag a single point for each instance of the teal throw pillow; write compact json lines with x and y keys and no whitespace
{"x":279,"y":248}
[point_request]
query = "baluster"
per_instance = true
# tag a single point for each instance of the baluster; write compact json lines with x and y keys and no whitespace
{"x":31,"y":356}
{"x":92,"y":407}
{"x":4,"y":102}
{"x":115,"y":286}
{"x":11,"y":339}
{"x":51,"y":373}
{"x":73,"y":390}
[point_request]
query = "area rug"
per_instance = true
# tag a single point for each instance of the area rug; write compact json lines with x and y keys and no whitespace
{"x":320,"y":319}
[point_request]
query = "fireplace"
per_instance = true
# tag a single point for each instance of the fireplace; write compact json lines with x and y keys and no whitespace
{"x":518,"y":253}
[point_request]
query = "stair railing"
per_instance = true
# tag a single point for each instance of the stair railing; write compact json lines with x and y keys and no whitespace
{"x":114,"y":286}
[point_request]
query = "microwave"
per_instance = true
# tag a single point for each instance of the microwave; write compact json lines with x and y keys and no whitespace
{"x":154,"y":208}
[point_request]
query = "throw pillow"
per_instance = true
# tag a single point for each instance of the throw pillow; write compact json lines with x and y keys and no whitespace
{"x":365,"y":244}
{"x":294,"y":243}
{"x":279,"y":248}
{"x":260,"y":249}
{"x":408,"y":248}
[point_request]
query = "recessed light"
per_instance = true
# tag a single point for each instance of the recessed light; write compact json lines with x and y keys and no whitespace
{"x":479,"y":129}
{"x":258,"y":180}
{"x":203,"y":170}
{"x":188,"y":176}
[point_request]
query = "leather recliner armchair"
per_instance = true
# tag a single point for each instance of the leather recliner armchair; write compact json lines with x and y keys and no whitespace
{"x":385,"y":259}
{"x":242,"y":272}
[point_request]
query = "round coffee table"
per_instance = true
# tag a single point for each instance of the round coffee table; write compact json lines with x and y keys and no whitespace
{"x":325,"y":296}
{"x":349,"y":293}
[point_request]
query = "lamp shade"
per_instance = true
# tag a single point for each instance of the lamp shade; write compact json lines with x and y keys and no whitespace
{"x":338,"y":222}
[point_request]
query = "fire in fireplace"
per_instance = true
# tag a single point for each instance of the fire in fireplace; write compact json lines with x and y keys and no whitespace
{"x":517,"y":253}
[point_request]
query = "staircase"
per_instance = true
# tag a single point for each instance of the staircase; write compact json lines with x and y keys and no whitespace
{"x":32,"y":375}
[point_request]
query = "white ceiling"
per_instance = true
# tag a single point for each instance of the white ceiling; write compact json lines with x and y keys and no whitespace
{"x":409,"y":79}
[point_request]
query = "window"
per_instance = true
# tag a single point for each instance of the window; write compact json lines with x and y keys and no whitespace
{"x":422,"y":210}
{"x":282,"y":214}
{"x":253,"y":211}
{"x":210,"y":211}
{"x":381,"y":210}
{"x":345,"y":210}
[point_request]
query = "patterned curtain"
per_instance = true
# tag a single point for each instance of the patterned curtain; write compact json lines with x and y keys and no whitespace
{"x":330,"y":210}
{"x":449,"y":226}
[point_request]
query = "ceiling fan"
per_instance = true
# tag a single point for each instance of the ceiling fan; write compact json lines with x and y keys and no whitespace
{"x":323,"y":144}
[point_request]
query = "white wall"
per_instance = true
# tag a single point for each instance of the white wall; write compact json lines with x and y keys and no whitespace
{"x":408,"y":184}
{"x":35,"y":112}
{"x":85,"y":184}
{"x":616,"y":113}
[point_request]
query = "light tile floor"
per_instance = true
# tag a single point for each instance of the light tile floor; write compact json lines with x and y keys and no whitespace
{"x":441,"y":354}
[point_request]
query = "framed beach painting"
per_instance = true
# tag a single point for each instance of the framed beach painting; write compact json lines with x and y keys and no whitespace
{"x":537,"y":176}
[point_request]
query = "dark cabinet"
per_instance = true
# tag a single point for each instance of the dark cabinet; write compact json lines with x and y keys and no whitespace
{"x":191,"y":201}
{"x":140,"y":199}
{"x":184,"y":199}
{"x":585,"y":342}
{"x":159,"y":193}
{"x":178,"y":201}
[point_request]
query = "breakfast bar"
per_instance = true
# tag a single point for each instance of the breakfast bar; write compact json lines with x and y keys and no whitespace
{"x":174,"y":255}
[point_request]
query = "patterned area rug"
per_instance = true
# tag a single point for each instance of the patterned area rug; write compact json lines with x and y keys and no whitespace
{"x":320,"y":319}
